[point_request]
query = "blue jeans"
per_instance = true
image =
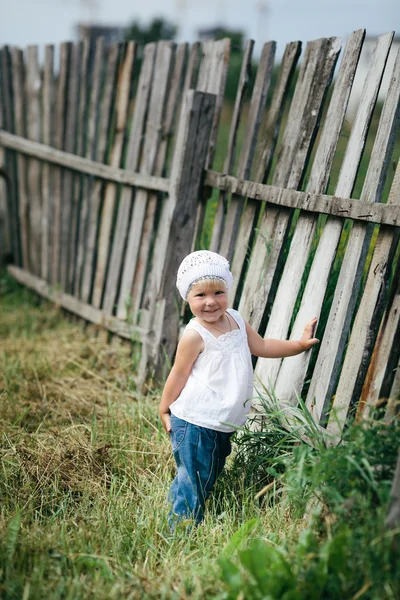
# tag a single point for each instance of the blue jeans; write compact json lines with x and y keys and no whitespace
{"x":200,"y":455}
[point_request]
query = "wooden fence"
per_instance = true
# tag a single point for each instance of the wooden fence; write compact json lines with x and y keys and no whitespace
{"x":107,"y":193}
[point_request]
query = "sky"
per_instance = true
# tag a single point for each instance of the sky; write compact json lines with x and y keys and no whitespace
{"x":24,"y":22}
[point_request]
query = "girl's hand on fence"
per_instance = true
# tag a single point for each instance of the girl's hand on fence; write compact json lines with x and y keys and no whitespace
{"x":166,"y":421}
{"x":308,"y":340}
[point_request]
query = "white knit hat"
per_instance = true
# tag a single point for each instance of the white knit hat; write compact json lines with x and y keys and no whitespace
{"x":202,"y":264}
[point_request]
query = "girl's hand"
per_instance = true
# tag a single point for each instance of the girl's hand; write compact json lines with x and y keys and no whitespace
{"x":308,"y":340}
{"x":166,"y":421}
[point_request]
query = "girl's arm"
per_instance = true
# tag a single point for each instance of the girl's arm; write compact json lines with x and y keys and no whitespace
{"x":268,"y":348}
{"x":188,"y":350}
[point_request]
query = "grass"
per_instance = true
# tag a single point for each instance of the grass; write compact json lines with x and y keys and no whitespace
{"x":85,"y":470}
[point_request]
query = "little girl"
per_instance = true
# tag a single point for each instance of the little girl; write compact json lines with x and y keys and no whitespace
{"x":207,"y":393}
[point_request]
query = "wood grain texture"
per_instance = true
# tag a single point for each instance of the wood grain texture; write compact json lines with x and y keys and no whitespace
{"x":369,"y":313}
{"x":330,"y":354}
{"x":48,"y":88}
{"x":135,"y":251}
{"x":318,"y":277}
{"x":263,"y":161}
{"x":19,"y":127}
{"x":60,"y":122}
{"x":96,"y":240}
{"x":78,"y":180}
{"x":10,"y":158}
{"x":135,"y":143}
{"x":70,"y":145}
{"x":290,"y":282}
{"x":314,"y":77}
{"x":256,"y":109}
{"x":230,"y":154}
{"x":33,"y":128}
{"x":92,"y":101}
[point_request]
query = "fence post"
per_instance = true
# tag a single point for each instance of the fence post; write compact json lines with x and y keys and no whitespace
{"x":177,"y":229}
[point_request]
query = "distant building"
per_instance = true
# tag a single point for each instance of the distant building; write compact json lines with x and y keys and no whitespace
{"x":210,"y":33}
{"x":362,"y":70}
{"x":111,"y":34}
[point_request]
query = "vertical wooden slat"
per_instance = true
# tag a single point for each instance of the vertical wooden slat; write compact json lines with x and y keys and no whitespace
{"x":191,"y":148}
{"x":230,"y":154}
{"x":153,"y":279}
{"x":90,"y":137}
{"x":78,"y":180}
{"x":18,"y":73}
{"x":154,"y":199}
{"x":384,"y":345}
{"x":294,"y":370}
{"x":256,"y":109}
{"x":152,"y":141}
{"x":70,"y":146}
{"x":10,"y":158}
{"x":32,"y":91}
{"x":371,"y":305}
{"x":5,"y":242}
{"x":192,"y":67}
{"x":60,"y":123}
{"x":330,"y":355}
{"x":269,"y":140}
{"x":101,"y":151}
{"x":132,"y":163}
{"x":212,"y":79}
{"x":47,"y":119}
{"x":110,"y":195}
{"x":315,"y":76}
{"x":289,"y":285}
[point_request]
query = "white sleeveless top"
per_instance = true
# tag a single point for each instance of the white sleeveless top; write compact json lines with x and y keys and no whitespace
{"x":220,"y":385}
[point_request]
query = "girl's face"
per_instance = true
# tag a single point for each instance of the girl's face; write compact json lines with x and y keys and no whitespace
{"x":208,"y":300}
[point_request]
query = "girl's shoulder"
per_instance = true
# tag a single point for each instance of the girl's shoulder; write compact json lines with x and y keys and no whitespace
{"x":238,"y":318}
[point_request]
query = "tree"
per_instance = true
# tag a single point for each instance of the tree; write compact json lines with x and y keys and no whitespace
{"x":158,"y":29}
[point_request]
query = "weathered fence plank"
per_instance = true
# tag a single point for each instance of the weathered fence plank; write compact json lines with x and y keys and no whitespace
{"x":19,"y":128}
{"x":195,"y":129}
{"x":341,"y":312}
{"x":314,"y":78}
{"x":91,"y":119}
{"x":33,"y":127}
{"x":152,"y":140}
{"x":168,"y":129}
{"x":153,"y":199}
{"x":47,"y":120}
{"x":386,"y":341}
{"x":10,"y":158}
{"x":230,"y":154}
{"x":293,"y":371}
{"x":70,"y":145}
{"x":93,"y":243}
{"x":59,"y":140}
{"x":78,"y":181}
{"x":256,"y":109}
{"x":132,"y":162}
{"x":212,"y":79}
{"x":5,"y":242}
{"x":289,"y":285}
{"x":269,"y":137}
